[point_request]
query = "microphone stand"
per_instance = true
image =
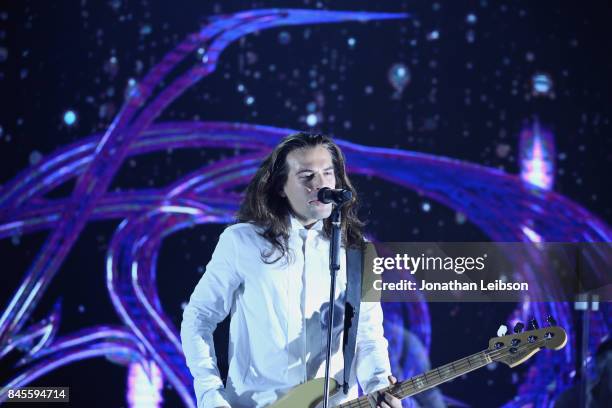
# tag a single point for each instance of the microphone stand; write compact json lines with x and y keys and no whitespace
{"x":334,"y":267}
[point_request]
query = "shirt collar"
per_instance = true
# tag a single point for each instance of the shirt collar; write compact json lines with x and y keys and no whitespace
{"x":296,"y":225}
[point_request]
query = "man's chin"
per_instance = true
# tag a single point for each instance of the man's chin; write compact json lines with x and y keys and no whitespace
{"x":324,"y":213}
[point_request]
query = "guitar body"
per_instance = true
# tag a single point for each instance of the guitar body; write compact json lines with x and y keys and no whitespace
{"x":308,"y":395}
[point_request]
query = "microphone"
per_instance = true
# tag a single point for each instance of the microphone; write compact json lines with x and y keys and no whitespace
{"x":337,"y":196}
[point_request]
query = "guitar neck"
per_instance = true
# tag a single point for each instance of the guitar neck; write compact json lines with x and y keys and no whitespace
{"x":428,"y":379}
{"x":440,"y":375}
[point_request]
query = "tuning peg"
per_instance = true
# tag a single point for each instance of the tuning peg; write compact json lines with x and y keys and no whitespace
{"x":551,"y":321}
{"x":518,"y":327}
{"x":503,"y":329}
{"x":533,"y":324}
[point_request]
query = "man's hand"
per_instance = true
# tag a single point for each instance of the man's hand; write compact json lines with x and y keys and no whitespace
{"x":388,"y":400}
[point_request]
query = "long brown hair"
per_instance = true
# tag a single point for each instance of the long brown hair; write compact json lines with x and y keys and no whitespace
{"x":265,"y":207}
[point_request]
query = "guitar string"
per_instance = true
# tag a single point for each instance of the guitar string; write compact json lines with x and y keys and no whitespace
{"x":465,"y":362}
{"x":459,"y":365}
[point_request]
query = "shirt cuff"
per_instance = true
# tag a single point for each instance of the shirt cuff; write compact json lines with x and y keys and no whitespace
{"x":213,"y":398}
{"x":376,"y":383}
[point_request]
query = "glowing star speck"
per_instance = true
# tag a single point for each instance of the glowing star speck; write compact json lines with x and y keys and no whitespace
{"x":537,"y":156}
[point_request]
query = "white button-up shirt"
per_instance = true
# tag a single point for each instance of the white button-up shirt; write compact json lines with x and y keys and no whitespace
{"x":278,"y":330}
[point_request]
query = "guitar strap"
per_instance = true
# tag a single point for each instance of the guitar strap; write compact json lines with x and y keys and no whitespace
{"x":354,"y":267}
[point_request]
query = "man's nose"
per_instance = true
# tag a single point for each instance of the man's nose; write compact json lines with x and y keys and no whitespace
{"x":318,"y":182}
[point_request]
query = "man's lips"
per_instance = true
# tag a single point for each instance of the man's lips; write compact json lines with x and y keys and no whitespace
{"x":315,"y":202}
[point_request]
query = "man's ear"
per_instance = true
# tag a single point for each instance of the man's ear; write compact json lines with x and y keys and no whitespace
{"x":282,"y":194}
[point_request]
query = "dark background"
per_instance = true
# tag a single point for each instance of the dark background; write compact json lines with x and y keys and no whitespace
{"x":466,"y":99}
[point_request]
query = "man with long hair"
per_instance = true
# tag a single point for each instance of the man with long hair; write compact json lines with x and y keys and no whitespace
{"x":271,"y":272}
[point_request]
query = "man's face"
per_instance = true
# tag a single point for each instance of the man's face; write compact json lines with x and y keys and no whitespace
{"x":309,"y":170}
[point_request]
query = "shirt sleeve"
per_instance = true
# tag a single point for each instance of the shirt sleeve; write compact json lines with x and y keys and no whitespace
{"x":372,"y":357}
{"x":209,"y":304}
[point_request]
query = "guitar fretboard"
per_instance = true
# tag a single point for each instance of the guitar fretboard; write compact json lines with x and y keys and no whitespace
{"x":428,"y":379}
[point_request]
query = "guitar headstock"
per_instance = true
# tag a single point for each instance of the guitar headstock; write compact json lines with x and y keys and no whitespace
{"x":514,"y":349}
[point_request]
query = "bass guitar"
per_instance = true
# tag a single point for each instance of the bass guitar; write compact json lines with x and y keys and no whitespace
{"x":511,"y":349}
